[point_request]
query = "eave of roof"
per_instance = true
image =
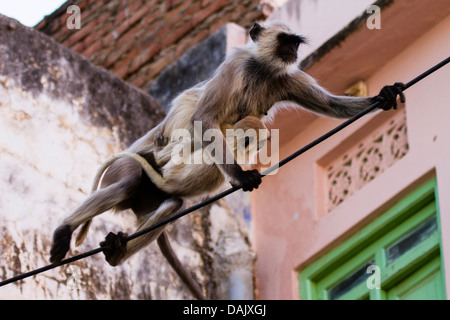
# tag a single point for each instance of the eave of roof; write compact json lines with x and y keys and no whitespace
{"x":357,"y":52}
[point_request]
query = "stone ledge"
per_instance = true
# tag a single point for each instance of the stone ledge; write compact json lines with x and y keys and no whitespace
{"x":38,"y":64}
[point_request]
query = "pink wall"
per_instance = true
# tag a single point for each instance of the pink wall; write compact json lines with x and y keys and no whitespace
{"x":303,"y":16}
{"x":289,"y":231}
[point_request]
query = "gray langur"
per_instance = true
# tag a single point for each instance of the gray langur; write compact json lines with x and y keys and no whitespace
{"x":250,"y":82}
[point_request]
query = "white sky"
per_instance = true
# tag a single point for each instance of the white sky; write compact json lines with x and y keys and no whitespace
{"x":29,"y":12}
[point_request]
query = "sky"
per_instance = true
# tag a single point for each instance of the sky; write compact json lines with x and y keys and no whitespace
{"x":29,"y":12}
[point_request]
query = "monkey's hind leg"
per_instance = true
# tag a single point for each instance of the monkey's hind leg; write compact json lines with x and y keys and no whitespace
{"x":98,"y":202}
{"x":117,"y":250}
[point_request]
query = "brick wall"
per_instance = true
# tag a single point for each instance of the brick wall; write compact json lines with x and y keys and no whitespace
{"x":136,"y":39}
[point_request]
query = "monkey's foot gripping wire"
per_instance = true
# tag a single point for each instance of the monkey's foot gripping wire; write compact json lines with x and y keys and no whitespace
{"x":231,"y":190}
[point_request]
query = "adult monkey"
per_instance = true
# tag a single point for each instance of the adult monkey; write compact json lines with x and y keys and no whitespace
{"x":249,"y":82}
{"x":264,"y":73}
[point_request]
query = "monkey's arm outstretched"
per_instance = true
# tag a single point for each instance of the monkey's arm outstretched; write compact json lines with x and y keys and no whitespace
{"x":304,"y":90}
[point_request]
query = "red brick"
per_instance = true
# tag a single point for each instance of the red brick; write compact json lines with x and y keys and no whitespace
{"x":131,"y":20}
{"x":41,"y":25}
{"x":62,"y":34}
{"x":125,"y":10}
{"x":152,"y":17}
{"x":190,"y":42}
{"x":175,"y":13}
{"x":175,"y":35}
{"x":206,"y":2}
{"x":80,"y":34}
{"x":183,"y":46}
{"x":173,"y":3}
{"x":121,"y":72}
{"x":137,"y":15}
{"x":201,"y":36}
{"x":79,"y":47}
{"x":160,"y":64}
{"x":204,"y":13}
{"x":102,"y":19}
{"x":92,"y":48}
{"x":83,"y":4}
{"x":139,"y":80}
{"x":129,"y":35}
{"x":95,"y":36}
{"x":115,"y":55}
{"x":144,"y":56}
{"x":161,"y":32}
{"x":110,"y":38}
{"x":55,"y":26}
{"x":193,"y":8}
{"x":125,"y":61}
{"x":93,"y":6}
{"x":153,"y":27}
{"x":120,"y":17}
{"x":134,"y":5}
{"x":218,"y":23}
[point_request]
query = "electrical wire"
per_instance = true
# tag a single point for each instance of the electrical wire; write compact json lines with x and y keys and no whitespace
{"x":230,"y":190}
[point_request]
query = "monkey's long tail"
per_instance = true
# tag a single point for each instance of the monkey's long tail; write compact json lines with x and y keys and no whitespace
{"x":154,"y":176}
{"x":83,"y":232}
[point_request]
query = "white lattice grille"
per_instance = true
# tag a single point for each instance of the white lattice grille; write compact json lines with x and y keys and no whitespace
{"x":366,"y":160}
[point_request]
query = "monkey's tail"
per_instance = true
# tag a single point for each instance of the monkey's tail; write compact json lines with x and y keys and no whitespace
{"x":170,"y":255}
{"x":153,"y":175}
{"x":83,"y":232}
{"x":85,"y":227}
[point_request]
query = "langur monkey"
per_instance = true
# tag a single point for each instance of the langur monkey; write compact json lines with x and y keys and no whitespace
{"x":256,"y":81}
{"x":249,"y":135}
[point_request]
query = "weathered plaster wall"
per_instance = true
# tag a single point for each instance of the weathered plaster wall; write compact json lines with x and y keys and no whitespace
{"x":60,"y":117}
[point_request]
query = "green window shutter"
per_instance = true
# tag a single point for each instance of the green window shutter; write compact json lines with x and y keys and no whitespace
{"x":401,"y":248}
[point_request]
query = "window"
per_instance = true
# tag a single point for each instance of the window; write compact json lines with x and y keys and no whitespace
{"x":399,"y":252}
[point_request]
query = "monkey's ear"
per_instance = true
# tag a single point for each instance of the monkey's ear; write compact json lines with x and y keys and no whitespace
{"x":255,"y":31}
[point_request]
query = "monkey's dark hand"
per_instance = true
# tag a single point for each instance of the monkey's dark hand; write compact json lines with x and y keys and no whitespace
{"x":61,"y":244}
{"x":114,"y":247}
{"x":160,"y":140}
{"x":247,"y":180}
{"x":388,"y":96}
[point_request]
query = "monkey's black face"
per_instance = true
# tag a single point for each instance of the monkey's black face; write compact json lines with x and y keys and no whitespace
{"x":288,"y":46}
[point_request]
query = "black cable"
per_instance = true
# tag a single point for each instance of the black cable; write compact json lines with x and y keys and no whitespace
{"x":231,"y":190}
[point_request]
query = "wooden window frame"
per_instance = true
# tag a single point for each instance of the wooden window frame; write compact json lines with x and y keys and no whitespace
{"x":369,"y":244}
